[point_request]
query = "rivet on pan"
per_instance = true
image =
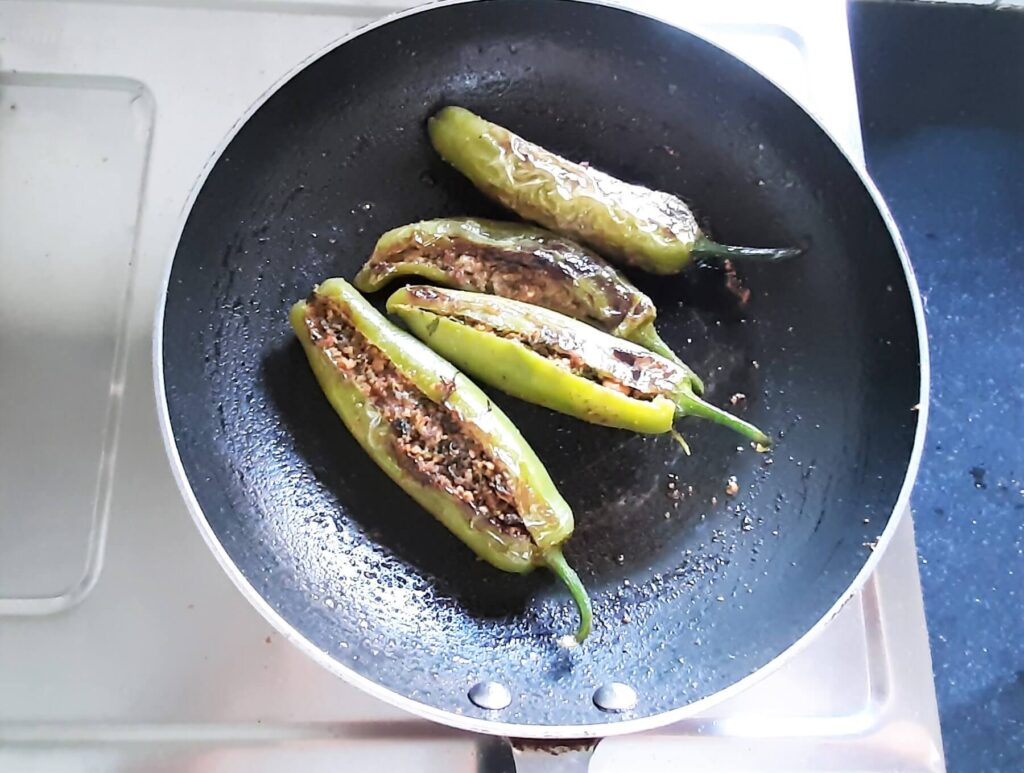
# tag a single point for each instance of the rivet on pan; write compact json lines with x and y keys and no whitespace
{"x":490,"y":695}
{"x":615,"y":696}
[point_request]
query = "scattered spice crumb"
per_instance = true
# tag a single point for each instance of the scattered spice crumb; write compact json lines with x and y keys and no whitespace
{"x":627,"y":619}
{"x":267,"y":640}
{"x":714,"y":500}
{"x":567,"y":642}
{"x":755,"y":364}
{"x":734,"y":285}
{"x":737,"y":398}
{"x":732,"y":488}
{"x":620,"y":559}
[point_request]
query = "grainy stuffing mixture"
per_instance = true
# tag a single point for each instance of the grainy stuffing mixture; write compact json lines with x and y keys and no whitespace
{"x":569,"y":361}
{"x":522,"y":277}
{"x":428,"y":438}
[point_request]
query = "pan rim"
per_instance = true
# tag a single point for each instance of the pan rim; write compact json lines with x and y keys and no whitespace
{"x":497,"y":727}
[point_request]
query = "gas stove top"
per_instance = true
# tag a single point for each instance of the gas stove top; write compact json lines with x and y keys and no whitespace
{"x":124,"y":646}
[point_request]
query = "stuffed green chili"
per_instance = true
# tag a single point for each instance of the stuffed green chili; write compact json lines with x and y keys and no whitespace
{"x":436,"y":434}
{"x":549,"y":359}
{"x":636,"y":226}
{"x":516,"y":261}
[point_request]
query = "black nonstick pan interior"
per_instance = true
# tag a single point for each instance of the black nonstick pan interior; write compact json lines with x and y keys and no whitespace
{"x":693,"y":589}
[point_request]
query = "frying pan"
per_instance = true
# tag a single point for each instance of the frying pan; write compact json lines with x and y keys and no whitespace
{"x":695,"y":592}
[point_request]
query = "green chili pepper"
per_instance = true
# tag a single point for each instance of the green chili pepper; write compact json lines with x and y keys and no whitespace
{"x":549,"y":359}
{"x":652,"y":230}
{"x":517,"y":261}
{"x":437,"y":435}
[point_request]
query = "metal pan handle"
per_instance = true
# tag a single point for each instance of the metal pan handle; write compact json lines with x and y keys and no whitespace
{"x":533,"y":756}
{"x":552,"y":756}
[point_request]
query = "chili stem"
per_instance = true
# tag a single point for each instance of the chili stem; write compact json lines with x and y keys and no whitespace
{"x":648,"y":337}
{"x":705,"y":248}
{"x":556,"y":563}
{"x":689,"y":404}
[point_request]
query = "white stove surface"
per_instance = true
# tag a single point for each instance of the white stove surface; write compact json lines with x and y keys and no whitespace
{"x":123,"y":646}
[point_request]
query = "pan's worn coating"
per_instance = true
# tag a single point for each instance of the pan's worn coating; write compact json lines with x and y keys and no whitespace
{"x":693,"y":588}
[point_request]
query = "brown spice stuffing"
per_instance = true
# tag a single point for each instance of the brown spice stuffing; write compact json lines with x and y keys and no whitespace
{"x":566,"y":360}
{"x":428,"y":437}
{"x":519,"y":275}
